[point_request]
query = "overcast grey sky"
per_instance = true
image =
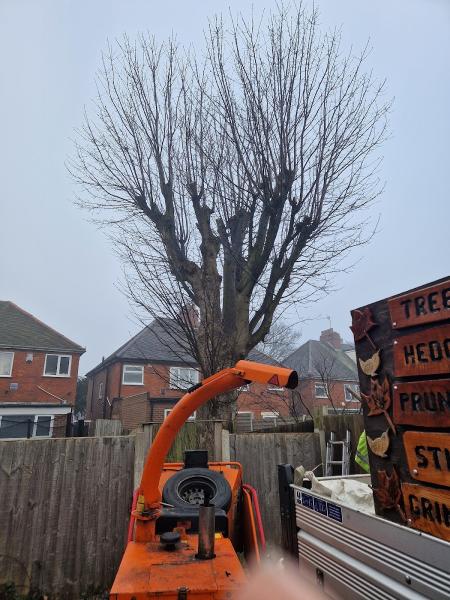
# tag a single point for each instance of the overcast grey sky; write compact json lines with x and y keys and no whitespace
{"x":57,"y":265}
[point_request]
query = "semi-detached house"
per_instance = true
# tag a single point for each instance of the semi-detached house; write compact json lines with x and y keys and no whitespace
{"x":38,"y":376}
{"x":144,"y":378}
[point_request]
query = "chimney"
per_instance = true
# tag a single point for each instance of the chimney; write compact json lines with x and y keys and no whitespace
{"x":329,"y":336}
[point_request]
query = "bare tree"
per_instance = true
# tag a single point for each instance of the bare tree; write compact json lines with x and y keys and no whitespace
{"x":325,"y":367}
{"x":289,"y":405}
{"x":236,"y":183}
{"x":281,"y":341}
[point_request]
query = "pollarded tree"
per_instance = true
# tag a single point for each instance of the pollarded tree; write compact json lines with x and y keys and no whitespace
{"x":237,"y":182}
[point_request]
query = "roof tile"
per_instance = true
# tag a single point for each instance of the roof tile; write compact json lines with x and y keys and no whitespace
{"x":20,"y":329}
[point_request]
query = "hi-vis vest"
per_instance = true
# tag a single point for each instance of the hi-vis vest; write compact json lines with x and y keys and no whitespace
{"x":362,"y":456}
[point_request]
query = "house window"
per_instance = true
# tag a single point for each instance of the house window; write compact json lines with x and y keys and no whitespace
{"x":354,"y":387}
{"x":43,"y":426}
{"x":182,"y":378}
{"x":6,"y":363}
{"x":57,"y":365}
{"x":133,"y":374}
{"x":100,"y":390}
{"x":167,"y":412}
{"x":244,"y":420}
{"x":321,"y":390}
{"x":25,"y":426}
{"x":270,"y":416}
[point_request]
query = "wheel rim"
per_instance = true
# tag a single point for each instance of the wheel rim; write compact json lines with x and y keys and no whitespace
{"x":193,"y":490}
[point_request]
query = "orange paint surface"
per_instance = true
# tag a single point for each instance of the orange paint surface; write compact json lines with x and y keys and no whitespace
{"x":146,"y":571}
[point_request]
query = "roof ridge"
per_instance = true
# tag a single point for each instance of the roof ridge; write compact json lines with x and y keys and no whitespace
{"x":120,"y":349}
{"x":28,"y":314}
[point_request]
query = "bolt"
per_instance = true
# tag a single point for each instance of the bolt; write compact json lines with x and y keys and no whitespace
{"x":395,"y":387}
{"x":415,"y":472}
{"x":394,"y":324}
{"x":395,"y":342}
{"x":408,"y":579}
{"x":409,"y":522}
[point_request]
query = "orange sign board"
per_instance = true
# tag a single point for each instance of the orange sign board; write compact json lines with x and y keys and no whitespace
{"x":423,"y":403}
{"x":428,"y":456}
{"x":425,"y":352}
{"x":427,"y":305}
{"x":427,"y":509}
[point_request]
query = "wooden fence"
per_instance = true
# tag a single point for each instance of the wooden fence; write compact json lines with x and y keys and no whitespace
{"x":64,"y":509}
{"x":194,"y":434}
{"x":259,"y":454}
{"x":65,"y":503}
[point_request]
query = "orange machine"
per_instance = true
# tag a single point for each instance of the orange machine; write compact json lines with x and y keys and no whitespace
{"x":191,"y":517}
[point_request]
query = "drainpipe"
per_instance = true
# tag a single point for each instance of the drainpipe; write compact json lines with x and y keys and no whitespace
{"x":106,"y":392}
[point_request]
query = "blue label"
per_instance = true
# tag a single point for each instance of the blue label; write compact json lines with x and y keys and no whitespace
{"x":334,"y":512}
{"x":320,"y":506}
{"x":308,"y":501}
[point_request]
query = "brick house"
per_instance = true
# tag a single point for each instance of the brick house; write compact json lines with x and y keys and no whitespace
{"x":143,"y":379}
{"x":327,"y":372}
{"x":38,"y":376}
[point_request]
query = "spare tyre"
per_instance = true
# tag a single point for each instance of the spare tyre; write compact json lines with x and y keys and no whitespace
{"x":189,"y":487}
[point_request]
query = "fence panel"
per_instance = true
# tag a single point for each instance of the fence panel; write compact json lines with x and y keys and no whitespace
{"x":202,"y":435}
{"x":107,"y":427}
{"x":64,"y":509}
{"x":259,"y":454}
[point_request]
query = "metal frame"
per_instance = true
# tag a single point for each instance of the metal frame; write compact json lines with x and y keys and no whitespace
{"x":365,"y":556}
{"x":329,"y":457}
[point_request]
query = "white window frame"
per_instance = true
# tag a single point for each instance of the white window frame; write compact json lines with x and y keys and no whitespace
{"x":60,"y":356}
{"x":124,"y":367}
{"x":192,"y":417}
{"x":50,"y":431}
{"x":174,"y":385}
{"x":100,"y":390}
{"x":247,"y":412}
{"x":324,"y":385}
{"x":35,"y":422}
{"x":270,"y":416}
{"x":355,"y":388}
{"x":12,"y":362}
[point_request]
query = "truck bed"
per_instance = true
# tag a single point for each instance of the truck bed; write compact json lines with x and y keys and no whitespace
{"x":354,"y":555}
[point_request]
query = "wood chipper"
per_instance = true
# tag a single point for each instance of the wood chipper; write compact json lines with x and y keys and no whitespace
{"x":192,"y":519}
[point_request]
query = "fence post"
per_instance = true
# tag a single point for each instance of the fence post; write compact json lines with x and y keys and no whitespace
{"x":143,"y":441}
{"x":287,"y":510}
{"x":225,"y":445}
{"x":218,"y":440}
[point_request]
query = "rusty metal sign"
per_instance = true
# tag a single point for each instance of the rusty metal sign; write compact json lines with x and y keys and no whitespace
{"x":427,"y":509}
{"x":427,"y":305}
{"x":425,"y":352}
{"x":428,"y":456}
{"x":423,"y":403}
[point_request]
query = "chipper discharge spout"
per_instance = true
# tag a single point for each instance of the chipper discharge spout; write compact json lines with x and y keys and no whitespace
{"x":192,"y":519}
